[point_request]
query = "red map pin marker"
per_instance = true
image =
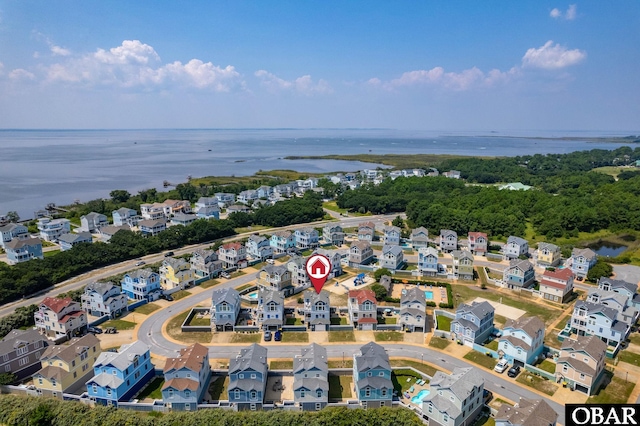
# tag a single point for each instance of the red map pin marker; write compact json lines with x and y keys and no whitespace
{"x":318,"y":269}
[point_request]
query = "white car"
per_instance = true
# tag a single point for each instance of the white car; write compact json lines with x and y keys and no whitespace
{"x":501,"y":366}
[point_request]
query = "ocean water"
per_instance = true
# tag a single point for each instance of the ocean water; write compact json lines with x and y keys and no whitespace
{"x":42,"y":166}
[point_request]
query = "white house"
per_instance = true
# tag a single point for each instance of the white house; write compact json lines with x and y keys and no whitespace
{"x":522,"y":340}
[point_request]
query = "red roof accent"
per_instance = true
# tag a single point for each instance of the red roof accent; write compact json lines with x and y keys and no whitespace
{"x":71,"y":315}
{"x":367,"y":320}
{"x":56,"y":304}
{"x":363,"y":295}
{"x":475,"y":235}
{"x":230,"y":246}
{"x":367,"y":225}
{"x":559,"y":274}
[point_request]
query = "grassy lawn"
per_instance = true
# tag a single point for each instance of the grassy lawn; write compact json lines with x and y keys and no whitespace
{"x":180,"y":294}
{"x":348,"y":363}
{"x":153,"y":390}
{"x":237,"y":274}
{"x":562,"y":322}
{"x":548,"y":366}
{"x":342,"y":336}
{"x":389,"y":336}
{"x":206,"y":321}
{"x":617,"y":391}
{"x":340,"y":387}
{"x":295,"y":337}
{"x":629,"y":357}
{"x":481,"y":359}
{"x":425,"y":368}
{"x":499,"y":319}
{"x":635,"y":338}
{"x":50,"y":253}
{"x":537,"y":382}
{"x":387,"y":320}
{"x":611,"y":170}
{"x":403,"y":379}
{"x":339,"y":321}
{"x":252,"y":228}
{"x":493,"y":345}
{"x":246,"y":338}
{"x":244,"y":287}
{"x":444,"y":323}
{"x":209,"y":283}
{"x":147,"y":309}
{"x":331,"y":205}
{"x":281,"y":365}
{"x":218,"y":388}
{"x":119,"y":324}
{"x":174,"y":330}
{"x":294,"y":321}
{"x":439,"y":342}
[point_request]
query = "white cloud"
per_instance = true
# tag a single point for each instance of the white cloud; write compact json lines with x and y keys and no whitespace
{"x":552,"y":56}
{"x":59,"y":51}
{"x":304,"y":85}
{"x":20,"y":74}
{"x":136,"y":64}
{"x":569,"y":15}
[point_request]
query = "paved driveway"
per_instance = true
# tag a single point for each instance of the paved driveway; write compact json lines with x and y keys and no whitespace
{"x":629,"y":273}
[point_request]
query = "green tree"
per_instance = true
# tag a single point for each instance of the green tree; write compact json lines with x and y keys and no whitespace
{"x":41,"y":416}
{"x":13,"y":216}
{"x":380,"y":272}
{"x":119,"y":196}
{"x":380,"y":291}
{"x":398,"y":222}
{"x":600,"y":269}
{"x":7,"y":378}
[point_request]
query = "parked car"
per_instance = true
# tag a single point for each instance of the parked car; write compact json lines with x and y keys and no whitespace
{"x":267,"y":336}
{"x":140,"y":263}
{"x":513,"y":371}
{"x":225,"y":275}
{"x":110,"y":330}
{"x":168,"y":254}
{"x":271,"y":261}
{"x":94,"y":330}
{"x":501,"y":366}
{"x":277,"y":336}
{"x":168,"y":298}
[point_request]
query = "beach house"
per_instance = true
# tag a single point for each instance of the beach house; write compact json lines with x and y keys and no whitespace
{"x":448,"y":240}
{"x":519,"y":274}
{"x":473,"y":323}
{"x":548,"y":255}
{"x":581,"y":261}
{"x":428,"y":261}
{"x":141,"y":284}
{"x":275,"y":277}
{"x":282,"y":241}
{"x":269,"y":315}
{"x":225,"y":308}
{"x":23,"y":250}
{"x":360,"y":253}
{"x":176,"y":274}
{"x":51,"y":229}
{"x":317,"y":310}
{"x":462,"y":264}
{"x":527,"y":412}
{"x":125,"y":216}
{"x":59,"y":318}
{"x":152,"y":226}
{"x":333,"y":234}
{"x":419,"y":237}
{"x":207,"y":208}
{"x":522,"y":340}
{"x":205,"y":264}
{"x":20,"y":352}
{"x":557,"y":285}
{"x":581,"y":363}
{"x":104,"y":298}
{"x":258,"y":247}
{"x":93,"y":221}
{"x":478,"y":243}
{"x":515,"y":248}
{"x":311,"y":378}
{"x":67,"y":241}
{"x":372,"y":376}
{"x":233,"y":255}
{"x":335,"y":259}
{"x":186,"y":378}
{"x":12,"y":231}
{"x":366,"y":231}
{"x":391,"y":236}
{"x":413,"y":305}
{"x":248,"y":378}
{"x":363,"y":310}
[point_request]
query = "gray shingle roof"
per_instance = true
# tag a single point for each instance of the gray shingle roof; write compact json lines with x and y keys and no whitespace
{"x":370,"y":356}
{"x":314,"y":297}
{"x":461,"y":254}
{"x":17,"y":243}
{"x":229,"y":295}
{"x":530,"y":325}
{"x":268,"y":295}
{"x":254,"y":357}
{"x":619,"y":284}
{"x":517,"y":240}
{"x":461,"y":381}
{"x":586,"y":252}
{"x":522,"y":264}
{"x":141,"y":273}
{"x":445,"y":232}
{"x":480,"y":309}
{"x":591,"y":345}
{"x":124,"y":357}
{"x":312,"y":356}
{"x":99,"y":287}
{"x":274,"y":269}
{"x":548,"y":246}
{"x":72,"y":349}
{"x":74,"y":238}
{"x":528,"y":412}
{"x":11,"y":341}
{"x":593,"y":308}
{"x":395,"y":250}
{"x":414,"y":294}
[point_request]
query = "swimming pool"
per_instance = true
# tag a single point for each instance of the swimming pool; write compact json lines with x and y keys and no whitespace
{"x":428,"y":295}
{"x":420,"y":396}
{"x":253,"y":295}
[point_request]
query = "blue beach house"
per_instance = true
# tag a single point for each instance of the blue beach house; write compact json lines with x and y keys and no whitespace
{"x":141,"y":284}
{"x":372,"y":376}
{"x":248,"y":378}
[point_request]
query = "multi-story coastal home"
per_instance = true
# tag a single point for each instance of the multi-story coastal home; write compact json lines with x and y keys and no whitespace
{"x":473,"y":323}
{"x":152,"y":226}
{"x":623,"y":287}
{"x":452,"y":174}
{"x":311,"y":378}
{"x":428,"y":261}
{"x":519,"y":274}
{"x":448,"y":240}
{"x":176,"y":274}
{"x":269,"y":314}
{"x":186,"y":378}
{"x":248,"y":378}
{"x":67,"y":367}
{"x":57,"y":318}
{"x":462,"y":264}
{"x":335,"y":258}
{"x":205,"y":263}
{"x":299,"y":277}
{"x":23,"y":250}
{"x":557,"y":285}
{"x":413,"y":305}
{"x":258,"y":247}
{"x":590,"y":319}
{"x":141,"y":284}
{"x":183,"y":219}
{"x":238,"y":208}
{"x":515,"y":248}
{"x":627,"y":313}
{"x":581,"y":363}
{"x":283,"y":190}
{"x":225,"y":308}
{"x":20,"y":352}
{"x":106,"y":232}
{"x":372,"y":376}
{"x":360,"y":253}
{"x":12,"y":231}
{"x":333,"y":234}
{"x":363,"y":310}
{"x":282,"y":241}
{"x":264,"y":191}
{"x":155,"y":211}
{"x":51,"y":229}
{"x":317,"y":310}
{"x":93,"y":221}
{"x":118,"y":376}
{"x":548,"y":255}
{"x":522,"y":340}
{"x":527,"y":412}
{"x":67,"y":241}
{"x":391,"y":236}
{"x":455,"y":399}
{"x":366,"y":231}
{"x":224,"y":199}
{"x":275,"y":277}
{"x":101,"y":299}
{"x":478,"y":243}
{"x":306,"y":238}
{"x":233,"y":255}
{"x":207,"y":208}
{"x":245,"y":197}
{"x":172,"y":207}
{"x":392,"y":257}
{"x":419,"y":237}
{"x":581,"y":261}
{"x":125,"y":216}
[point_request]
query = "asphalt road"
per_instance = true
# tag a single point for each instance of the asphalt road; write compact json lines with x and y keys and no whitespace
{"x":150,"y":332}
{"x":107,"y":271}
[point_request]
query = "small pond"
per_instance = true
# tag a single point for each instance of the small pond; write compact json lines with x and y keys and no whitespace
{"x":607,"y":248}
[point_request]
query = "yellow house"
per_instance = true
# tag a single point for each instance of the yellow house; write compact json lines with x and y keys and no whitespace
{"x":66,"y":368}
{"x":548,"y":254}
{"x":176,"y":274}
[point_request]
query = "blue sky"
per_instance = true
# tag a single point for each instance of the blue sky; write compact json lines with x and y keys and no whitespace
{"x":409,"y":65}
